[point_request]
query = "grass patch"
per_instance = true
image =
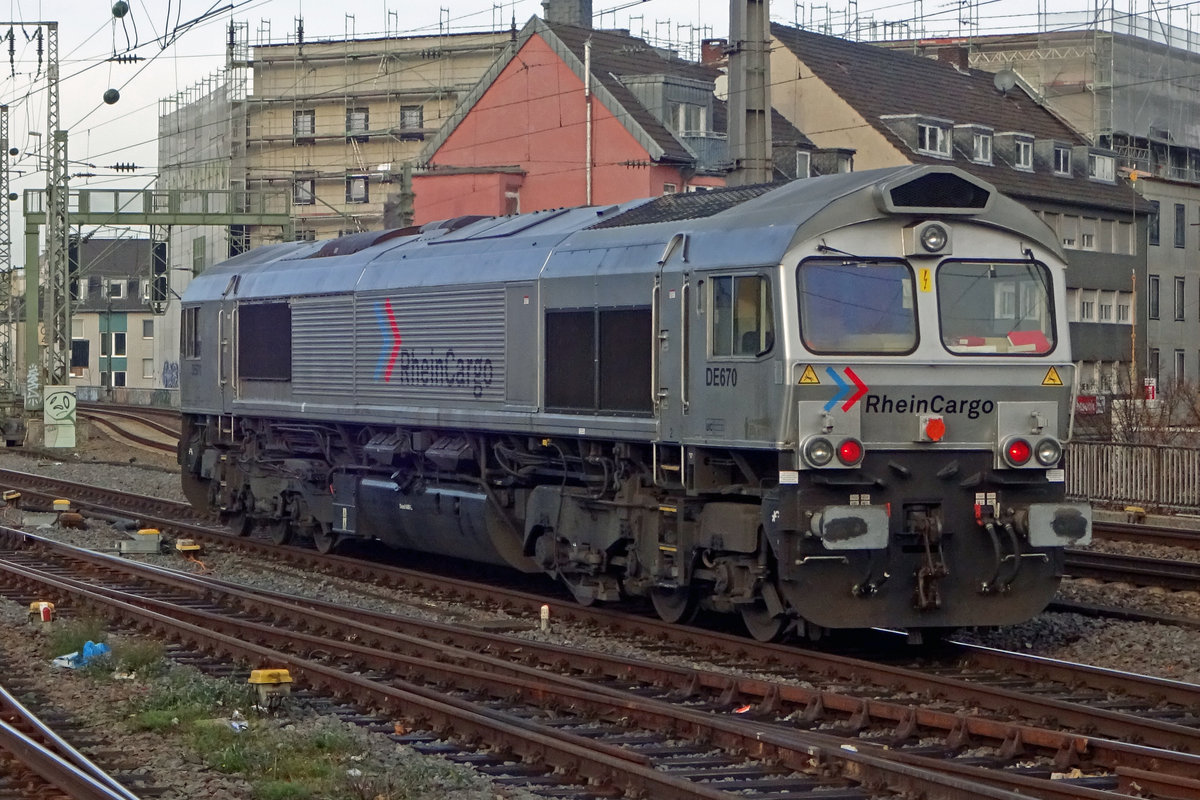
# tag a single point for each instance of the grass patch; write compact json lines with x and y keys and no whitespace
{"x":146,"y":657}
{"x":306,"y":760}
{"x":70,"y":636}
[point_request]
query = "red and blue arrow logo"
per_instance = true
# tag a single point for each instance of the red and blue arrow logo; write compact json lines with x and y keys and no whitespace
{"x":391,"y":340}
{"x":860,"y":388}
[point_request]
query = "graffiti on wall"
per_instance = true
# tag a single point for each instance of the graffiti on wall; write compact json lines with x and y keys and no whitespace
{"x":170,"y":374}
{"x":33,"y":388}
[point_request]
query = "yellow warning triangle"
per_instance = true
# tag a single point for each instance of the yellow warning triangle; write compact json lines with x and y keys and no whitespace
{"x":1052,"y":378}
{"x":809,"y":376}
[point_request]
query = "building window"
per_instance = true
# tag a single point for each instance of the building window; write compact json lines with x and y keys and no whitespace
{"x":1180,"y":284}
{"x":80,"y":355}
{"x":148,"y":368}
{"x":933,"y":139}
{"x":1152,"y":223}
{"x":356,"y":124}
{"x":305,"y":235}
{"x":1062,"y":161}
{"x":1180,"y":225}
{"x":803,"y":164}
{"x":190,"y":334}
{"x":147,"y":329}
{"x":1152,"y":299}
{"x":118,"y":343}
{"x":1123,"y":307}
{"x":1023,"y":153}
{"x":304,"y":124}
{"x":412,"y":123}
{"x":669,"y":188}
{"x":78,"y":328}
{"x":116,"y":290}
{"x":981,"y":148}
{"x":1152,"y":367}
{"x":1087,"y":241}
{"x":198,"y":249}
{"x":1106,"y":308}
{"x":304,"y":192}
{"x":1087,"y":308}
{"x":687,"y":118}
{"x":1101,"y":168}
{"x":1180,"y":377}
{"x":356,"y":189}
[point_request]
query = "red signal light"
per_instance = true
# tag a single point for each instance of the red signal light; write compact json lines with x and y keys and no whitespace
{"x":850,"y":452}
{"x":1017,"y":452}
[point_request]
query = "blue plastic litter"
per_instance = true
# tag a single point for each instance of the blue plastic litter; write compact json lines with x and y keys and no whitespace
{"x":90,"y":652}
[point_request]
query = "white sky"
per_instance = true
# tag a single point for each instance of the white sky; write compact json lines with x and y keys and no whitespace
{"x":101,"y":135}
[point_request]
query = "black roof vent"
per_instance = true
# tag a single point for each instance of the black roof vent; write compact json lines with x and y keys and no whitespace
{"x":939,"y":190}
{"x":688,"y":205}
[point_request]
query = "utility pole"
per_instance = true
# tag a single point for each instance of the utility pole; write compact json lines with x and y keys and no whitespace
{"x":57,"y":320}
{"x":8,"y":360}
{"x":749,"y":92}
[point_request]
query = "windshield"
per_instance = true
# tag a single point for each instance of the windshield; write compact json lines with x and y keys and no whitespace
{"x":851,"y":306}
{"x":988,"y":307}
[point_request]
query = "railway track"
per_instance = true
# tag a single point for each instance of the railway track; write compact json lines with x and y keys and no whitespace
{"x":983,"y":681}
{"x":37,"y":762}
{"x":656,"y":716}
{"x":155,"y":429}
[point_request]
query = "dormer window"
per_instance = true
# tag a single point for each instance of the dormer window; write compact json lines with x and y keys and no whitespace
{"x":933,"y":139}
{"x":688,"y":118}
{"x":1101,"y":167}
{"x":1062,"y":161}
{"x":1023,"y":153}
{"x":981,"y":148}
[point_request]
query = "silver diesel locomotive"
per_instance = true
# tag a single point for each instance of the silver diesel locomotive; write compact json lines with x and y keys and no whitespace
{"x":835,"y":403}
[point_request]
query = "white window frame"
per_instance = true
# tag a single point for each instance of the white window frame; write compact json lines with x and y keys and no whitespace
{"x":933,"y":139}
{"x":981,"y":147}
{"x":358,"y":189}
{"x":115,"y":289}
{"x":1062,"y":161}
{"x":304,"y":192}
{"x":1102,"y":167}
{"x":304,"y":123}
{"x":1023,"y":153}
{"x":148,"y":368}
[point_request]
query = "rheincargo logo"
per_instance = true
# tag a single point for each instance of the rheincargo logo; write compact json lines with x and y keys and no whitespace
{"x":938,"y":404}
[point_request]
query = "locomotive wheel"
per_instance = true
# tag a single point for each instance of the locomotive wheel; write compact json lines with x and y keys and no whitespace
{"x":675,"y":605}
{"x":762,"y":624}
{"x":280,"y":530}
{"x":324,"y":539}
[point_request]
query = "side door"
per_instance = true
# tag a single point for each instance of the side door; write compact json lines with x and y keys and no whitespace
{"x":670,"y":368}
{"x":227,"y":345}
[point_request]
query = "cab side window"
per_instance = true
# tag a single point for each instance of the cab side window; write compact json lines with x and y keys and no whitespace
{"x":743,"y":319}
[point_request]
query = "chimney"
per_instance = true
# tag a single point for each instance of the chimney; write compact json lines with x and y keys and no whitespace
{"x":956,"y":55}
{"x":712,"y":51}
{"x":568,"y":12}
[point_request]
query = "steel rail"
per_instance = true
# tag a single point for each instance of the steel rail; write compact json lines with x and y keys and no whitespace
{"x":1069,"y":747}
{"x":794,"y":750}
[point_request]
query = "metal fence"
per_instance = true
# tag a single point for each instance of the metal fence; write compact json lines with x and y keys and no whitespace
{"x":1151,"y":476}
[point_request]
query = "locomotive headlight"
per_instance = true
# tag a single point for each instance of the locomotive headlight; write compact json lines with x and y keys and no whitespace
{"x":1017,"y":452}
{"x":818,"y":452}
{"x":934,"y":238}
{"x":1048,"y":452}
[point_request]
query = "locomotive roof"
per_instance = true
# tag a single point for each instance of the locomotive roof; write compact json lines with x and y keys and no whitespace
{"x":751,"y":225}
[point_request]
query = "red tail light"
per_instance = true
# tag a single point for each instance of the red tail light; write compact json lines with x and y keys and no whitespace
{"x":850,"y":452}
{"x":1017,"y":452}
